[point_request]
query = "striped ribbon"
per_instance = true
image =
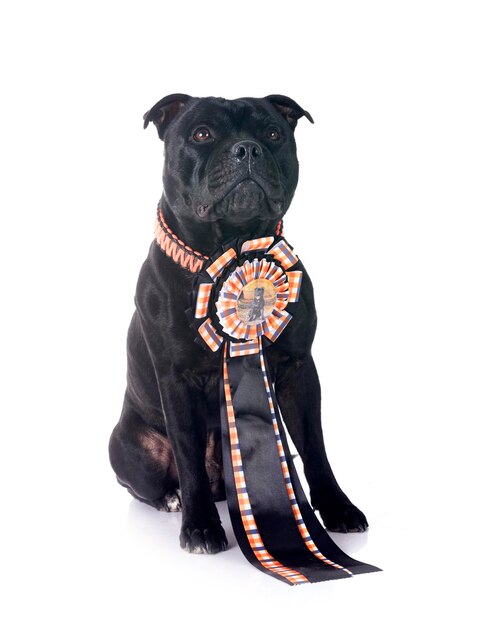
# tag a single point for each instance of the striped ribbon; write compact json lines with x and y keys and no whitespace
{"x":287,"y":478}
{"x":247,"y":517}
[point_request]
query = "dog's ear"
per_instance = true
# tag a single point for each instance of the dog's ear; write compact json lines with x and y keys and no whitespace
{"x":289,"y":109}
{"x":164,"y":111}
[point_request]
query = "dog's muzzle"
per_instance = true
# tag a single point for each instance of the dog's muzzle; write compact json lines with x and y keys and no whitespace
{"x":242,"y":184}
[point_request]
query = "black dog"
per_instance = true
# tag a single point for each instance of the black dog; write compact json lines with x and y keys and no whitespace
{"x":257,"y":310}
{"x":230,"y":171}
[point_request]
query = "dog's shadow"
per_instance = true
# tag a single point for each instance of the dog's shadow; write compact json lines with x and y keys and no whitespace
{"x":350,"y":543}
{"x":161,"y":529}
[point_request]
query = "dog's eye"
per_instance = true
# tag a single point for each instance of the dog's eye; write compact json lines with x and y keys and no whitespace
{"x":273,"y":134}
{"x":202,"y":134}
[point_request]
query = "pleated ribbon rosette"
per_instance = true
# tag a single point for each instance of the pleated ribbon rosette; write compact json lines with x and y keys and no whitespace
{"x":251,"y":298}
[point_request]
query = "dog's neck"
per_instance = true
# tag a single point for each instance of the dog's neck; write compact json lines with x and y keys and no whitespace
{"x":192,"y":250}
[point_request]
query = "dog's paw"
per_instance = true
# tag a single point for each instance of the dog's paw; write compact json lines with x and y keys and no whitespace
{"x":171,"y":502}
{"x":203,"y":541}
{"x":345,"y":519}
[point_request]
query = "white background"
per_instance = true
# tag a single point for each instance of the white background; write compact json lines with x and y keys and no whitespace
{"x":386,"y":218}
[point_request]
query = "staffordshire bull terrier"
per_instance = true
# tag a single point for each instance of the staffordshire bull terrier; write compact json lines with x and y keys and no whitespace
{"x":230,"y":170}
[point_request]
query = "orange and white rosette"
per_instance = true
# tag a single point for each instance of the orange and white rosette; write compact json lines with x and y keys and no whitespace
{"x":243,"y":295}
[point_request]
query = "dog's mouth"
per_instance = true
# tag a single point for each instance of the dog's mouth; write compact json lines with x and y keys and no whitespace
{"x":242,"y":201}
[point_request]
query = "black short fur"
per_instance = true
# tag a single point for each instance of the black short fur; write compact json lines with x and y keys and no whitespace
{"x":230,"y":170}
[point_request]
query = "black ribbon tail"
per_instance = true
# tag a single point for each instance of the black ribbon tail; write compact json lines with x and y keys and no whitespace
{"x":275,"y":526}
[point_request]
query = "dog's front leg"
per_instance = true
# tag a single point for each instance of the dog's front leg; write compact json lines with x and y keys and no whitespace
{"x":299,"y":394}
{"x":184,"y":410}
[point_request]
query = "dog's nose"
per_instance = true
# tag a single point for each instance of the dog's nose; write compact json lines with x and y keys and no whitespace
{"x":249,"y":150}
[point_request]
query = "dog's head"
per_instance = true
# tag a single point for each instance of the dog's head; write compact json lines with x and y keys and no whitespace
{"x":228,"y":162}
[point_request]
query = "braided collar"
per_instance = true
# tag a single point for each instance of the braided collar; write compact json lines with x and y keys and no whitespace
{"x":180,"y":252}
{"x":176,"y":249}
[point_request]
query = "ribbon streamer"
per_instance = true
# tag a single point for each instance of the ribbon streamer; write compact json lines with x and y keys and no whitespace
{"x":275,"y":526}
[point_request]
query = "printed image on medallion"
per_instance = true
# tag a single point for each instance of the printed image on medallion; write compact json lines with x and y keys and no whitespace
{"x":256,"y":301}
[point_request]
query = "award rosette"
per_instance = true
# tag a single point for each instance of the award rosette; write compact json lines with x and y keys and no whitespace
{"x":244,"y":300}
{"x":243,"y":297}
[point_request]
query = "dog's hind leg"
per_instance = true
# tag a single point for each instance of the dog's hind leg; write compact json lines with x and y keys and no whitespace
{"x":142,"y":459}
